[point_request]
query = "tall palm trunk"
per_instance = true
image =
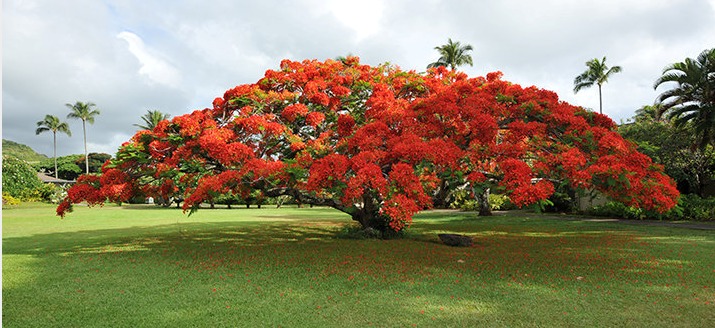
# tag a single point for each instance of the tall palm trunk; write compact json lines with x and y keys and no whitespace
{"x":600,"y":100}
{"x":54,"y":155}
{"x":86,"y":157}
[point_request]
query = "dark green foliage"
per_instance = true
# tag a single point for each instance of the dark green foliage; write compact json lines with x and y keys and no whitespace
{"x":228,"y":199}
{"x":563,"y":200}
{"x":355,"y":231}
{"x":696,"y":208}
{"x":96,"y":160}
{"x":72,"y":166}
{"x":690,"y":207}
{"x":21,"y":151}
{"x":18,"y":177}
{"x":671,"y":146}
{"x":618,"y":210}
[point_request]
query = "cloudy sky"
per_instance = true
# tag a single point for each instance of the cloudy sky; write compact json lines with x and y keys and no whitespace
{"x":130,"y":56}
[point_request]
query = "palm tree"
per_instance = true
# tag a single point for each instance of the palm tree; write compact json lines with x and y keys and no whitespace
{"x":453,"y":55}
{"x":52,"y":123}
{"x":597,"y":73}
{"x":84,"y":112}
{"x":151,"y":119}
{"x":692,"y":100}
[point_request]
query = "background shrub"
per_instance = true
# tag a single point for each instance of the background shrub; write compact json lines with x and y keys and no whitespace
{"x":9,"y":200}
{"x":690,"y":207}
{"x":19,"y":179}
{"x":464,"y":200}
{"x":695,"y":208}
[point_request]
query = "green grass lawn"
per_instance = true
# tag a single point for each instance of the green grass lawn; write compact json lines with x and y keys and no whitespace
{"x":141,"y":266}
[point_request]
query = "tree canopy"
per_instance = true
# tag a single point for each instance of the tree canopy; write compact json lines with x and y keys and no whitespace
{"x":70,"y":167}
{"x":372,"y":141}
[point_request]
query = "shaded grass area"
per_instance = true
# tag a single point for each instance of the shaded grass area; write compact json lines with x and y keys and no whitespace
{"x":149,"y":267}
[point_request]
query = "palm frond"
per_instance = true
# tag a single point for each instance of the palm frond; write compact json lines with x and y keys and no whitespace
{"x":692,"y":99}
{"x":453,"y":54}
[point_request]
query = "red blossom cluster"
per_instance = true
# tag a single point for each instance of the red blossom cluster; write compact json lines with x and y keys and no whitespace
{"x":374,"y":142}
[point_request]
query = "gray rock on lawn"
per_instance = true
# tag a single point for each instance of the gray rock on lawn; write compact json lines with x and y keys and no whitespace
{"x":456,"y":240}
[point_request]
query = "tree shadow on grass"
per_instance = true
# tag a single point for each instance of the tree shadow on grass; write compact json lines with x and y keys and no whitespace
{"x":239,"y":234}
{"x":156,"y":275}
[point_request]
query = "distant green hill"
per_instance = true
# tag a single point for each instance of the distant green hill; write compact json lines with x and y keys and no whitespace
{"x":23,"y":152}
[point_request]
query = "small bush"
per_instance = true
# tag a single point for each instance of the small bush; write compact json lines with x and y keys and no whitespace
{"x":18,"y":177}
{"x":464,"y":200}
{"x":7,"y":199}
{"x":563,"y":200}
{"x":618,"y":210}
{"x":690,"y":207}
{"x":356,"y":231}
{"x":695,"y":208}
{"x":500,"y":202}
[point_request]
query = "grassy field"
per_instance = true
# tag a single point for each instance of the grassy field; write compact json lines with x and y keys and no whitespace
{"x":148,"y":267}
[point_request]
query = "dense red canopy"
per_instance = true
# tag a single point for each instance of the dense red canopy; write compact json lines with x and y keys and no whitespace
{"x":375,"y":141}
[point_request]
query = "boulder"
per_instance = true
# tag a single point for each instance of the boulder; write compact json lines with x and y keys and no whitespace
{"x":456,"y":240}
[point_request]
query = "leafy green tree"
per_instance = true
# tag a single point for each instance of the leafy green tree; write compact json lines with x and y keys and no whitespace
{"x":66,"y":168}
{"x":72,"y":166}
{"x":597,"y":73}
{"x":692,"y":99}
{"x":670,"y":145}
{"x":653,"y":112}
{"x":18,"y":177}
{"x":86,"y":113}
{"x":151,"y":119}
{"x":452,"y":55}
{"x":52,"y":123}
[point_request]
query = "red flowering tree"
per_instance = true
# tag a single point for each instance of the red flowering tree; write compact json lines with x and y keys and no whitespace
{"x":374,"y":142}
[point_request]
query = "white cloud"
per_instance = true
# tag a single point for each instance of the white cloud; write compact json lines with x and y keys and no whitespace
{"x":363,"y":17}
{"x":153,"y":67}
{"x":179,"y":58}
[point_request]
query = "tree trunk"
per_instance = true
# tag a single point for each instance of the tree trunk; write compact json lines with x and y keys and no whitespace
{"x":440,"y":198}
{"x":86,"y":157}
{"x":54,"y":143}
{"x":600,"y":100}
{"x":482,"y":198}
{"x":369,"y":216}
